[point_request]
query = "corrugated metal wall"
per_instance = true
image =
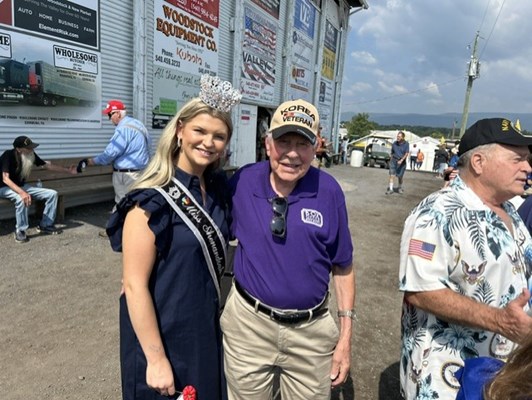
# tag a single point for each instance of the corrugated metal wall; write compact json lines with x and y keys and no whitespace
{"x":119,"y":64}
{"x":117,"y":82}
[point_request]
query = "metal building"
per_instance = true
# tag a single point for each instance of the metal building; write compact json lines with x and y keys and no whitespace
{"x":151,"y":53}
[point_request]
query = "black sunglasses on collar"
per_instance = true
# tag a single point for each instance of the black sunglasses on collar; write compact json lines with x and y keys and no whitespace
{"x":278,"y":222}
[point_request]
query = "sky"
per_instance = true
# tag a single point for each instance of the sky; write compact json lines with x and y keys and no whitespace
{"x":410,"y":56}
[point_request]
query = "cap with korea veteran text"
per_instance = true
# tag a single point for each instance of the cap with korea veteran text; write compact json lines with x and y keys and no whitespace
{"x":492,"y":130}
{"x":24,"y":142}
{"x":296,"y":116}
{"x":113,"y":105}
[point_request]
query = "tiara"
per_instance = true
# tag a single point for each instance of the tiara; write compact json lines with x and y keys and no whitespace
{"x":218,"y":94}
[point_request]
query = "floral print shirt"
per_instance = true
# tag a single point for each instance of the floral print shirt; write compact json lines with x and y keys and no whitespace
{"x":452,"y":240}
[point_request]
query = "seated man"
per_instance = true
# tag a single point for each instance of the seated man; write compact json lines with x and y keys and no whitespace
{"x":16,"y":167}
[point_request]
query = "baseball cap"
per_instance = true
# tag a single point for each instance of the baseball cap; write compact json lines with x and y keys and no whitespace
{"x":113,"y":105}
{"x":492,"y":130}
{"x":24,"y":142}
{"x":296,"y":116}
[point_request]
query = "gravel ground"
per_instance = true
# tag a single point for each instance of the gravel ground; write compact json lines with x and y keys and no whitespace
{"x":59,"y":298}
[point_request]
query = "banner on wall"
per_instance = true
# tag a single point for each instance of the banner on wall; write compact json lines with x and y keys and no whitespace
{"x":328,"y":65}
{"x":270,"y":6}
{"x":45,"y":82}
{"x":186,"y":40}
{"x":258,"y":56}
{"x":302,"y":76}
{"x":73,"y":21}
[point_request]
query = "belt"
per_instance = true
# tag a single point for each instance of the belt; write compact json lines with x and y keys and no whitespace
{"x":125,"y":170}
{"x":284,"y":317}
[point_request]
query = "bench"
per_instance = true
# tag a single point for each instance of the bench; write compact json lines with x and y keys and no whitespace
{"x":94,"y":185}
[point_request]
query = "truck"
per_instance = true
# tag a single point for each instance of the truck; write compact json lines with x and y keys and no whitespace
{"x":38,"y":82}
{"x":14,"y":80}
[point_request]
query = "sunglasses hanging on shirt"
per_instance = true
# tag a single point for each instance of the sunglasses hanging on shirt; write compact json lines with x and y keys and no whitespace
{"x":278,"y":222}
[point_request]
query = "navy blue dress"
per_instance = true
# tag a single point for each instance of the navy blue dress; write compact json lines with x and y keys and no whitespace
{"x":183,"y":293}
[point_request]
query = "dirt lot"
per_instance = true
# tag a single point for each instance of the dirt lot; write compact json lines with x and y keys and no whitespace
{"x":59,"y":298}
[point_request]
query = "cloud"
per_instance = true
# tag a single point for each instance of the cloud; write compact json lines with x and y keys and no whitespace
{"x":364,"y":57}
{"x":413,"y":56}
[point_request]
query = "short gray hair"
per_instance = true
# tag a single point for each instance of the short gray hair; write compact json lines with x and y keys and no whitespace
{"x":465,"y":158}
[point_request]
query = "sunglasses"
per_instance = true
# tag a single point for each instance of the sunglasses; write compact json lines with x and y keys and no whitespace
{"x":111,"y":114}
{"x":278,"y":223}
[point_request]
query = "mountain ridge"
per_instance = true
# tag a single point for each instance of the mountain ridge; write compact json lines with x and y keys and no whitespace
{"x":440,"y":120}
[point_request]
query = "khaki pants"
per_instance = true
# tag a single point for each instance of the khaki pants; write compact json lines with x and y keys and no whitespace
{"x":121,"y":183}
{"x":254,"y":345}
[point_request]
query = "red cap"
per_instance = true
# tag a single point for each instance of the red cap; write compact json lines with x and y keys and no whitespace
{"x":114,"y":105}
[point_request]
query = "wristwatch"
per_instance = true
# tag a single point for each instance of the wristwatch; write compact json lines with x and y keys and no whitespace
{"x":348,"y":313}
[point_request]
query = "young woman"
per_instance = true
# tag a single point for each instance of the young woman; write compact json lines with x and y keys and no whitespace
{"x":169,"y":309}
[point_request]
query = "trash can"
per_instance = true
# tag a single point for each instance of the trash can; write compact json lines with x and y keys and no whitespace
{"x":357,"y":158}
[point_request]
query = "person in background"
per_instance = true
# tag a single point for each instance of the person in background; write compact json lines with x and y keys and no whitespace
{"x":322,"y":151}
{"x":466,"y":258}
{"x":527,"y":188}
{"x":16,"y":165}
{"x":172,"y":229}
{"x":128,"y":150}
{"x":414,"y":151}
{"x":345,"y":144}
{"x":419,"y":160}
{"x":400,"y":151}
{"x":452,"y":170}
{"x":291,"y":223}
{"x":441,"y":159}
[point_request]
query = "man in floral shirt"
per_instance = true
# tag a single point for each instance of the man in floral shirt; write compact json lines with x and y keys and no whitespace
{"x":466,"y":257}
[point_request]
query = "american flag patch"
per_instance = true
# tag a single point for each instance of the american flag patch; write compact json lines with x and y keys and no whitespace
{"x":421,"y":249}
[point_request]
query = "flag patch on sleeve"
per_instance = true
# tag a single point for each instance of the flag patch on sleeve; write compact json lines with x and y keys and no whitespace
{"x":421,"y":249}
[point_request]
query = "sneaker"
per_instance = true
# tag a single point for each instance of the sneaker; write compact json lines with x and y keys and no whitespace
{"x":49,"y":230}
{"x":400,"y":191}
{"x":20,"y":237}
{"x":103,"y":234}
{"x":389,"y":191}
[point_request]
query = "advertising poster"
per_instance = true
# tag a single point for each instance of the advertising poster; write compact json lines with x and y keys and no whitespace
{"x":270,"y":6}
{"x":50,"y":65}
{"x":258,"y":56}
{"x":301,"y":76}
{"x":186,"y":40}
{"x":329,"y":51}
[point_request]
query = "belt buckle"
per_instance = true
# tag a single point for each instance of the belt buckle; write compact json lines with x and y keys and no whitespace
{"x":286,"y":318}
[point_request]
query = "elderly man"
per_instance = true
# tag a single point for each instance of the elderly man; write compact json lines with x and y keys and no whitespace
{"x":466,"y":257}
{"x":290,"y":220}
{"x":400,"y":152}
{"x":128,"y":150}
{"x":16,"y":168}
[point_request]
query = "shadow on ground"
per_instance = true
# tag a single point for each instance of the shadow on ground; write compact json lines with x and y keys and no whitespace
{"x":389,"y":387}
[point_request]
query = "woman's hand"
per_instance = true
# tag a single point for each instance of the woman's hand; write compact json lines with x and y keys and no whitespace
{"x":159,"y":377}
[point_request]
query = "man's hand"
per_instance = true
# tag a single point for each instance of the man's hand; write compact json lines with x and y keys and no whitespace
{"x":341,"y":361}
{"x":26,"y":198}
{"x":82,"y":165}
{"x":514,"y":323}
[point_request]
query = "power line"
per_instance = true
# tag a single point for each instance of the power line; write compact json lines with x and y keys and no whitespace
{"x":492,"y":29}
{"x":437,"y":84}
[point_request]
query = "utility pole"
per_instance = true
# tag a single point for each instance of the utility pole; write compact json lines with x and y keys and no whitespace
{"x":472,"y":74}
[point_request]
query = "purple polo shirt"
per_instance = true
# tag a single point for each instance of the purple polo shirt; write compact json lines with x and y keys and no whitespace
{"x":289,"y":273}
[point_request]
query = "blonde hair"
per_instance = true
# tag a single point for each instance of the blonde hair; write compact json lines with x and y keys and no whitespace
{"x":162,"y":166}
{"x":513,"y":380}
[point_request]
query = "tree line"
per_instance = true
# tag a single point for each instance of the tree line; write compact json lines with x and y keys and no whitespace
{"x":360,"y":126}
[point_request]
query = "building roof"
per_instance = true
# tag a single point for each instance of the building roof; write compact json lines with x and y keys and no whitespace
{"x":357,"y":3}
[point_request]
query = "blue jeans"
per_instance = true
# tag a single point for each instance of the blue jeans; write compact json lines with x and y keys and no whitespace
{"x":21,"y":211}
